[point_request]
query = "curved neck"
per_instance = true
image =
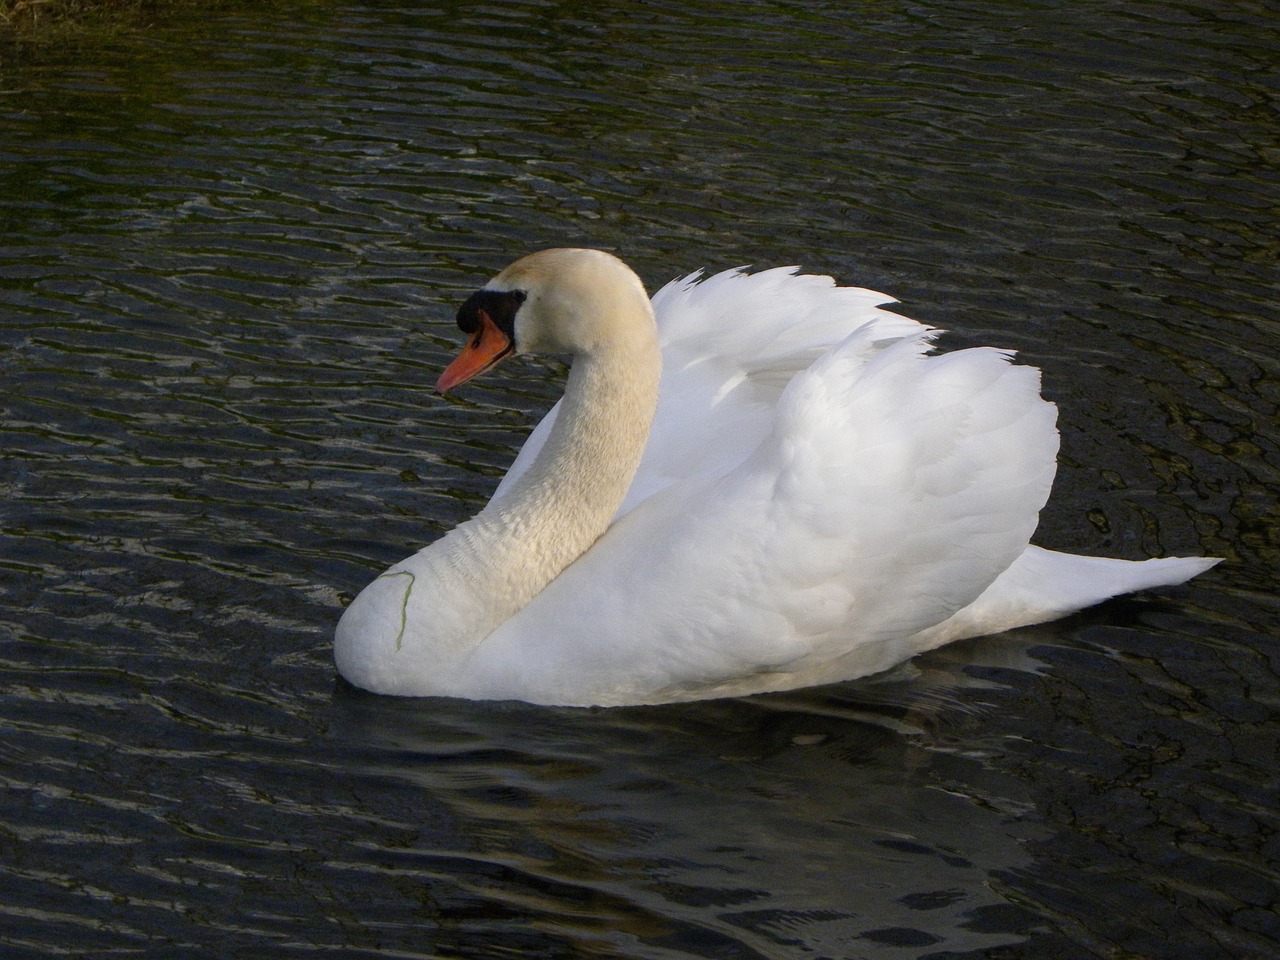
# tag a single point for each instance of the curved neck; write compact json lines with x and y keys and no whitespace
{"x":567,"y":498}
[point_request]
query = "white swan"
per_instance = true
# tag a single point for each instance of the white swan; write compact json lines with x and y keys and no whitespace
{"x":819,"y":498}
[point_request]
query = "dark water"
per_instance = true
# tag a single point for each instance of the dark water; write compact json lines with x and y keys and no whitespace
{"x":232,"y":248}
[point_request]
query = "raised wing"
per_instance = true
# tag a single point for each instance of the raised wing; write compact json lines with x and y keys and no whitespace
{"x":890,"y":488}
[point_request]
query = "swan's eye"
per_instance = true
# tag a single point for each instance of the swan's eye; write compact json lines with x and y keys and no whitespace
{"x":500,"y":305}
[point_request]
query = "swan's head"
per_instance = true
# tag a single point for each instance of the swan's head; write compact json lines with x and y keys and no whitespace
{"x":555,"y":301}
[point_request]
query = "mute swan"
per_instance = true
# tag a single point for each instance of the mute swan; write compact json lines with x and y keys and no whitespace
{"x":819,"y":498}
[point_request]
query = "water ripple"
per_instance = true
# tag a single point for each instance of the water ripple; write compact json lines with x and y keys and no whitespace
{"x":230,"y":259}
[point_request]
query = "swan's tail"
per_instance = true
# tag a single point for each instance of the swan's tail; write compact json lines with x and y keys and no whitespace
{"x":1044,"y":585}
{"x":1070,"y":582}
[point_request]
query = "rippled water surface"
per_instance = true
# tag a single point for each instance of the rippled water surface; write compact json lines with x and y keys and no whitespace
{"x":231,"y":252}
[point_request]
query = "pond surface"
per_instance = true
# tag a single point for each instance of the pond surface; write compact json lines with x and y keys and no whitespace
{"x":232,"y":251}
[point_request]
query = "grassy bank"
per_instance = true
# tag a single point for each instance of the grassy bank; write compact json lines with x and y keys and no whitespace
{"x":32,"y":18}
{"x":29,"y":14}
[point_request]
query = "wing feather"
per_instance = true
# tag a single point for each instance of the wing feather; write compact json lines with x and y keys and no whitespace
{"x":790,"y":549}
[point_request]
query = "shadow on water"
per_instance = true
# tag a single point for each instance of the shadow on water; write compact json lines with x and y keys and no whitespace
{"x":835,"y":820}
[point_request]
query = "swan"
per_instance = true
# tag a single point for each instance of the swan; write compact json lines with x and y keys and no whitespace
{"x":753,"y":482}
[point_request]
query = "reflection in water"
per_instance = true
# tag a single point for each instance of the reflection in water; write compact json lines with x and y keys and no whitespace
{"x":731,"y":824}
{"x":231,"y":254}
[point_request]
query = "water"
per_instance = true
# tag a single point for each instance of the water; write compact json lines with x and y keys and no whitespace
{"x":231,"y":253}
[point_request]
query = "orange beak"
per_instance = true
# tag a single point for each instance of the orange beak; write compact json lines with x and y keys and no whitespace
{"x":487,"y":346}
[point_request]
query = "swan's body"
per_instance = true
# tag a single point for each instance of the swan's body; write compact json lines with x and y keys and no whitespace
{"x":819,"y":499}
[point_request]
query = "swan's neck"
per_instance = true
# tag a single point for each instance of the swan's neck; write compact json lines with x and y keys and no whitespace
{"x":567,"y":498}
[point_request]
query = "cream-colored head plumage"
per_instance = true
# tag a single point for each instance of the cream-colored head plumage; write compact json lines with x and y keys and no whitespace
{"x":576,"y":301}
